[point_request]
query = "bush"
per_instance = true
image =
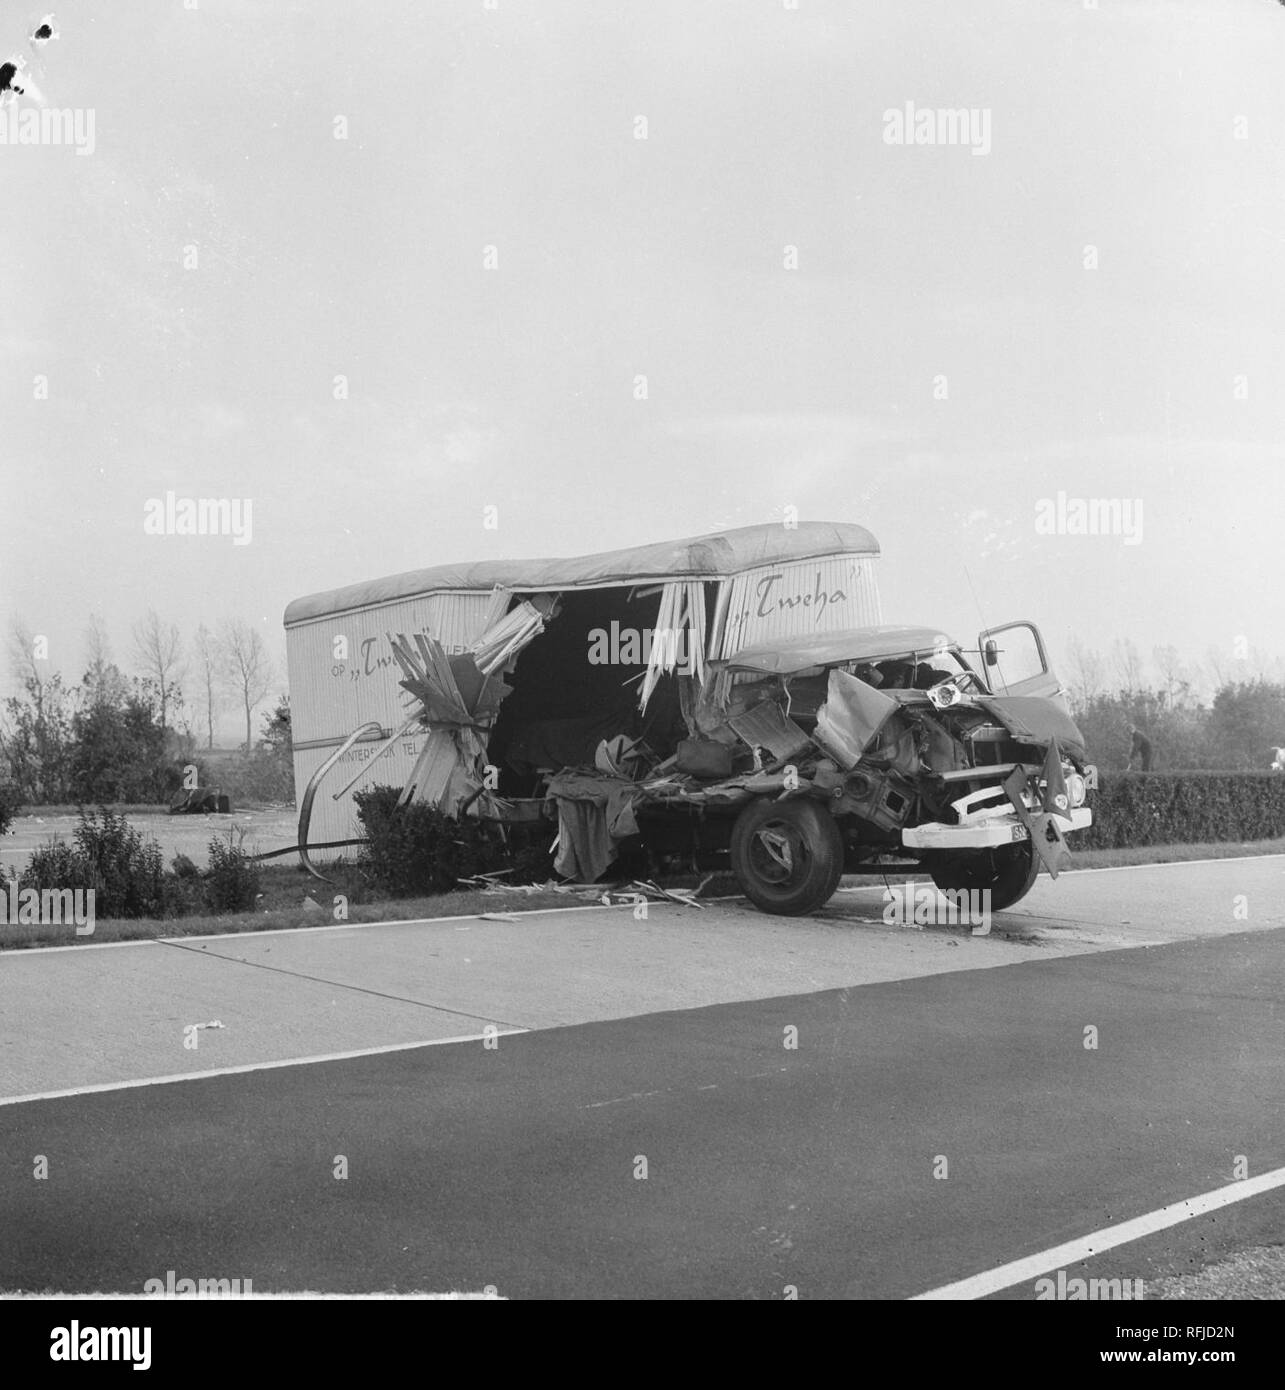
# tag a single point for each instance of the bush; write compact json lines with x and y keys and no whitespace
{"x":417,"y":849}
{"x":1166,"y":808}
{"x":127,"y":878}
{"x":57,"y":865}
{"x":232,"y":882}
{"x":108,"y":856}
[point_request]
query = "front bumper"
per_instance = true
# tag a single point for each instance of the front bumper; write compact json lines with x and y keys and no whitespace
{"x":983,"y":834}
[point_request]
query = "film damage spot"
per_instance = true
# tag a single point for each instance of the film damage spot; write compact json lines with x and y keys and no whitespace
{"x":11,"y":77}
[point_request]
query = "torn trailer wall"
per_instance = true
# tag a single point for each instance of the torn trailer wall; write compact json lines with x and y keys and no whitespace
{"x":755,"y":584}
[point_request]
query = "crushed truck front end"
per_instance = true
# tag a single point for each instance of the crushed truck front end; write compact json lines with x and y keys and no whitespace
{"x":916,"y":760}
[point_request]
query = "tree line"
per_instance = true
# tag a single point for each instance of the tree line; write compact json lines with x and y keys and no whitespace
{"x":1225,"y":714}
{"x":126,"y":736}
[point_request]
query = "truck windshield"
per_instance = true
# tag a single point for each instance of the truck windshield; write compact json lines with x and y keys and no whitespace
{"x":909,"y":670}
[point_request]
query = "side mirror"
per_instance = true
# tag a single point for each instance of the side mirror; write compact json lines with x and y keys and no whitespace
{"x":990,"y":653}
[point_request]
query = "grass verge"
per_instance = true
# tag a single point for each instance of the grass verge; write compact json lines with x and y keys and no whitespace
{"x":284,"y":891}
{"x":290,"y":898}
{"x":1170,"y":854}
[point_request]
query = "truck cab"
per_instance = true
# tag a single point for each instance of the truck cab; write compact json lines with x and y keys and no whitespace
{"x":910,"y":749}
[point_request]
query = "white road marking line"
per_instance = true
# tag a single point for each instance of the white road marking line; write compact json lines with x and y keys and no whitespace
{"x":19,"y":953}
{"x":254,"y":1066}
{"x":1076,"y":1251}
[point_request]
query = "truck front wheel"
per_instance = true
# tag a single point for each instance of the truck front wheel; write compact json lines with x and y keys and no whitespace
{"x":1009,"y":871}
{"x":787,"y":855}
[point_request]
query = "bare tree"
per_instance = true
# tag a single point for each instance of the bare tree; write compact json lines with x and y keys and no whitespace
{"x":25,"y":660}
{"x":184,"y":732}
{"x":103,"y":680}
{"x":1088,"y":672}
{"x":208,"y":660}
{"x":247,"y":668}
{"x":1261,"y":664}
{"x":1127,"y":663}
{"x":158,"y":650}
{"x":1173,"y":672}
{"x":1219,"y":668}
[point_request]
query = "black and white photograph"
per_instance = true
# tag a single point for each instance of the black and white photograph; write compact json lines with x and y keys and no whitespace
{"x":642,"y":659}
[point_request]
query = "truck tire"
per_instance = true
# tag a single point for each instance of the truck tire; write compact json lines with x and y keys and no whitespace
{"x":787,"y":855}
{"x":1009,"y":871}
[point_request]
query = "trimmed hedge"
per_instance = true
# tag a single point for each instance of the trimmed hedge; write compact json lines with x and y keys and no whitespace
{"x":415,"y":850}
{"x":1167,"y":808}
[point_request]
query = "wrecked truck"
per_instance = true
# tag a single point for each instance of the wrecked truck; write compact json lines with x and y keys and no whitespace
{"x":732,"y":700}
{"x":883,"y":746}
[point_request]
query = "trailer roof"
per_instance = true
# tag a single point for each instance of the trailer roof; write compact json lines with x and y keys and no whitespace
{"x":715,"y":556}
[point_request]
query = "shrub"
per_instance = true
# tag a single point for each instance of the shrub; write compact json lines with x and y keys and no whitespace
{"x":183,"y":867}
{"x":232,"y":882}
{"x":417,"y":849}
{"x":108,"y":856}
{"x":1165,"y":808}
{"x":57,"y":865}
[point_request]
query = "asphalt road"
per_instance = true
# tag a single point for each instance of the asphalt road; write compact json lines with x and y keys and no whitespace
{"x":940,"y":1115}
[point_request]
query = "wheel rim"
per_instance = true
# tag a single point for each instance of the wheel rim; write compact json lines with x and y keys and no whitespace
{"x":778,"y":854}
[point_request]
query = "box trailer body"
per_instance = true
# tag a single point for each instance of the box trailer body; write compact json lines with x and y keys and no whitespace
{"x":758,"y":584}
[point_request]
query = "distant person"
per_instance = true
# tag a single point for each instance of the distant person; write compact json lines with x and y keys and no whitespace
{"x":1140,"y":751}
{"x":1278,"y":762}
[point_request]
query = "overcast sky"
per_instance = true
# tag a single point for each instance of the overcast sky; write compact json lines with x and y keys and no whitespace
{"x":1151,"y":130}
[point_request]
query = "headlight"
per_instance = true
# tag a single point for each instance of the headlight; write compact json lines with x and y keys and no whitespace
{"x":1075,"y":788}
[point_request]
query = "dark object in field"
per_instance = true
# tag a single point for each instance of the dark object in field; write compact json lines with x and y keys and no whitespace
{"x":184,"y":867}
{"x":195,"y":800}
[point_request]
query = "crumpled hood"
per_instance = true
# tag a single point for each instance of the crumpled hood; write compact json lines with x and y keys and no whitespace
{"x":1034,"y":719}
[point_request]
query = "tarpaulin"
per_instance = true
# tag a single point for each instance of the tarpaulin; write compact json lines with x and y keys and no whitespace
{"x":595,"y":812}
